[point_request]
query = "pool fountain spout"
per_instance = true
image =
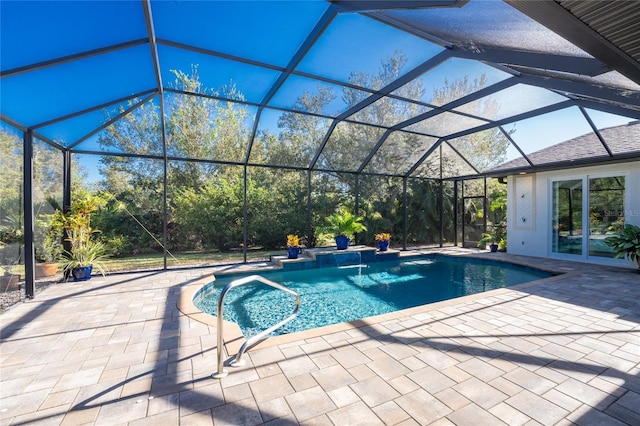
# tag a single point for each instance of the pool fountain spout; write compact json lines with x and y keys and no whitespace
{"x":348,"y":259}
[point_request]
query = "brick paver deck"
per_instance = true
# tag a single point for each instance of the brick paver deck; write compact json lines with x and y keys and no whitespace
{"x":117,"y":351}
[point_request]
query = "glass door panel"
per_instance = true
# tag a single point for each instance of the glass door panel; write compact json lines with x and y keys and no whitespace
{"x":473,"y":221}
{"x":606,"y":212}
{"x":567,"y":217}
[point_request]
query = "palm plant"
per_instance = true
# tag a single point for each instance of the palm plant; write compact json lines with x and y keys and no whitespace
{"x":344,"y":223}
{"x":83,"y":249}
{"x":626,"y":243}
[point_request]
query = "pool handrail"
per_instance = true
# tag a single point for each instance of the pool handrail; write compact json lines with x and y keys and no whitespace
{"x":253,"y":340}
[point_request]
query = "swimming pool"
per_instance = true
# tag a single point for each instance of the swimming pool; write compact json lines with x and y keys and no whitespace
{"x":342,"y":294}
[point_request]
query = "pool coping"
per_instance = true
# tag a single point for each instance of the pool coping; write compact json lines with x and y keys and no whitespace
{"x":234,"y":338}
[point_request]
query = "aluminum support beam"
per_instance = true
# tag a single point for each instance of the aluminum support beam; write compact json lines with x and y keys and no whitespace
{"x":308,"y":43}
{"x":559,"y":20}
{"x":378,"y":5}
{"x":70,"y":58}
{"x":146,"y":4}
{"x":29,"y":249}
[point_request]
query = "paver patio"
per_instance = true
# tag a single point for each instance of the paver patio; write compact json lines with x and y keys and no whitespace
{"x":116,"y":350}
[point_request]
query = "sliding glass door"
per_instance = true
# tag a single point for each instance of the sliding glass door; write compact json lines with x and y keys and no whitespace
{"x":581,"y":223}
{"x":606,"y":212}
{"x":567,"y":217}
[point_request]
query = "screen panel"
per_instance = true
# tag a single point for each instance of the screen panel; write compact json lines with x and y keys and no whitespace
{"x":348,"y":146}
{"x":287,"y":138}
{"x":355,"y":49}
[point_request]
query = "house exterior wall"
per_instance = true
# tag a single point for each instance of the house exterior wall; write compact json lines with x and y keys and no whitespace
{"x":529,"y":209}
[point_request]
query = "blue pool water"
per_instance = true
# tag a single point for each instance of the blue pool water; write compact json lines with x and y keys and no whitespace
{"x":334,"y":295}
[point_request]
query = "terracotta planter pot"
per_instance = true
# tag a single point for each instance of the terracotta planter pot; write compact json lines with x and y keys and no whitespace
{"x":44,"y":270}
{"x":9,"y":282}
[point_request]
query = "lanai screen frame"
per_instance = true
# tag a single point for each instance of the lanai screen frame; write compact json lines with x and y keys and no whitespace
{"x":602,"y":99}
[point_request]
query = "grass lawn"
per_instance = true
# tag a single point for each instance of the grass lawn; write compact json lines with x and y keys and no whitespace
{"x":155,"y":261}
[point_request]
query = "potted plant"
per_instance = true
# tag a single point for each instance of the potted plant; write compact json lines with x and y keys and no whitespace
{"x":48,"y":249}
{"x":383,"y":239}
{"x":85,"y":252}
{"x":626,"y":243}
{"x":8,"y":280}
{"x":11,"y":249}
{"x":343,"y":225}
{"x":293,"y":246}
{"x":495,"y":239}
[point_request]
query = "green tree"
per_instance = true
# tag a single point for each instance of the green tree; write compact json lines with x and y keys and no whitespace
{"x":483,"y":149}
{"x":11,"y":169}
{"x":210,"y":216}
{"x":423,"y":211}
{"x":199,"y":126}
{"x":203,"y":128}
{"x":46,"y":191}
{"x":277,"y":206}
{"x":299,"y":134}
{"x":135,"y":184}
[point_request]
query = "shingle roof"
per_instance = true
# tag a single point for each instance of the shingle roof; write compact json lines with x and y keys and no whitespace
{"x":619,"y":139}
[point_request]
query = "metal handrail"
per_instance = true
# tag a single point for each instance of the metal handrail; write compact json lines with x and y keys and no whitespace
{"x":254,"y":340}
